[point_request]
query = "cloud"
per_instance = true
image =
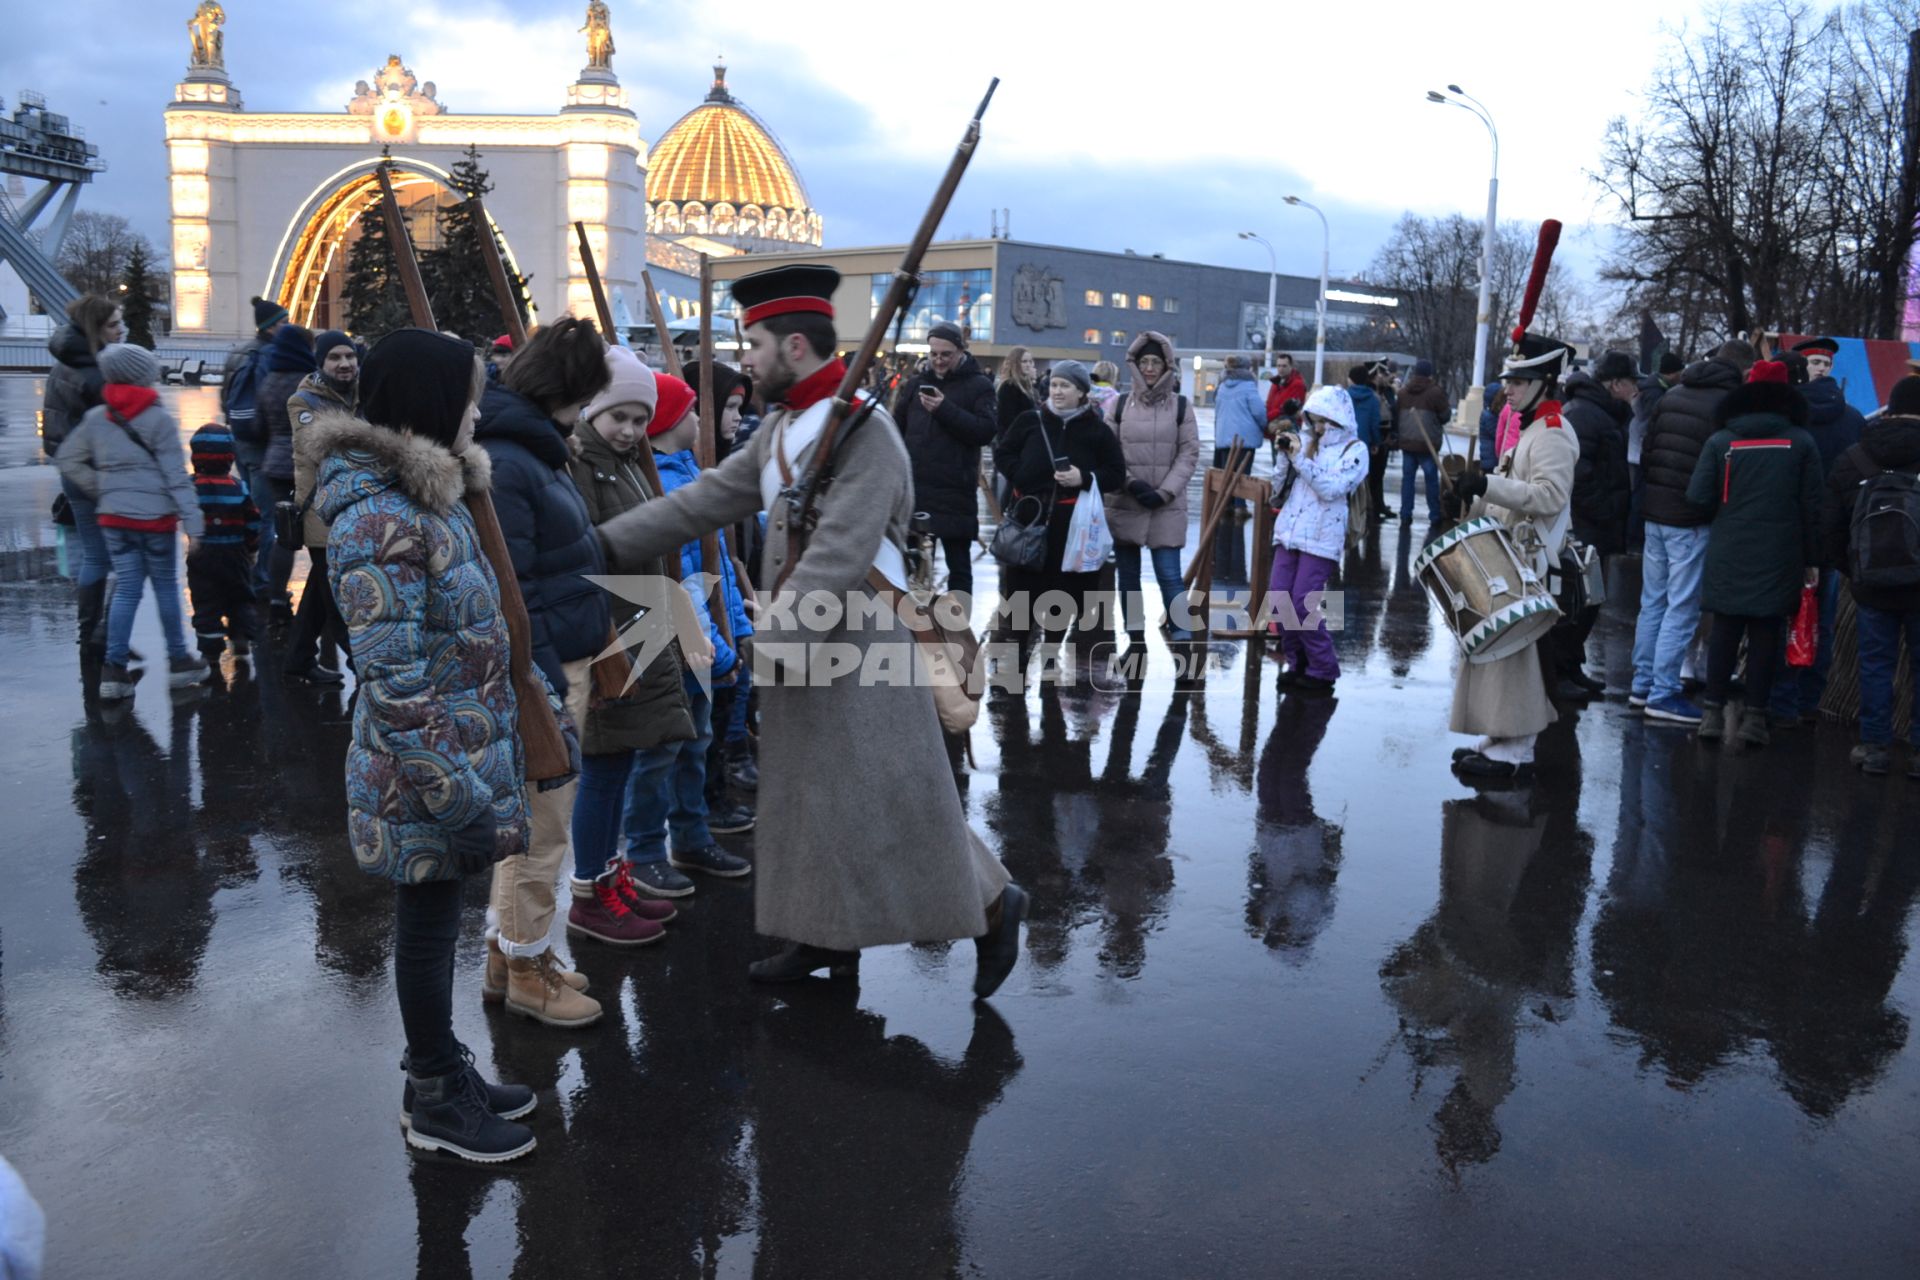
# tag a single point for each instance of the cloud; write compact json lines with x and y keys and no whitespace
{"x":1166,"y":135}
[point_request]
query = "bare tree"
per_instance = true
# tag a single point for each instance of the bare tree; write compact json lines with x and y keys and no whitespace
{"x":94,"y":255}
{"x":1761,"y":185}
{"x":1435,"y":262}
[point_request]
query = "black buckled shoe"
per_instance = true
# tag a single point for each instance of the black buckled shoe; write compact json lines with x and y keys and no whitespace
{"x":1478,"y":768}
{"x":999,"y":946}
{"x":801,"y":960}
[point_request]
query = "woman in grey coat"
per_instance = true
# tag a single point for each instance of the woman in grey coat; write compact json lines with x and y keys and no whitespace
{"x":1161,"y":439}
{"x":865,"y":842}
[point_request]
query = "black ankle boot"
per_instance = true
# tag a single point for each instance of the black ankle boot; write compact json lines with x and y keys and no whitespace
{"x":801,"y":960}
{"x":508,"y":1101}
{"x":450,"y":1113}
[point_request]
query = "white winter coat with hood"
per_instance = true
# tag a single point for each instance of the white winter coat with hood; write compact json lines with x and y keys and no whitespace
{"x":1314,"y":517}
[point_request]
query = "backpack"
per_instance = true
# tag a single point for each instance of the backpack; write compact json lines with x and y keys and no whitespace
{"x":239,"y":396}
{"x":1883,"y":540}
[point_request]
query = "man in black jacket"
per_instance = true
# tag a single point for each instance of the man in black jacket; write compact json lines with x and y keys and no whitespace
{"x":947,"y":414}
{"x":1676,"y":550}
{"x":1596,"y":405}
{"x":1891,"y":443}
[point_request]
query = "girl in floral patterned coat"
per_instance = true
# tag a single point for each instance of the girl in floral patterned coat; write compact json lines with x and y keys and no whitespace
{"x":435,"y":786}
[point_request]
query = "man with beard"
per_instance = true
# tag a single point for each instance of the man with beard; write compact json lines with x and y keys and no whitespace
{"x":862,"y":838}
{"x":334,"y":385}
{"x":947,"y":414}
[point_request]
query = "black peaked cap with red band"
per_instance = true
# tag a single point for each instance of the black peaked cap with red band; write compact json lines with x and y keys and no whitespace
{"x":804,"y":288}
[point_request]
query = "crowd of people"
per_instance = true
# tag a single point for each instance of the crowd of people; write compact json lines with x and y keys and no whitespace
{"x":1749,"y":486}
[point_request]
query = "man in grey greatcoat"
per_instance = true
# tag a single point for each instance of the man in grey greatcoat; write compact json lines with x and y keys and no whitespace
{"x":863,"y":841}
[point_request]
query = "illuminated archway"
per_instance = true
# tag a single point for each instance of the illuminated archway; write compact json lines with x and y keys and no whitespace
{"x":305,"y":258}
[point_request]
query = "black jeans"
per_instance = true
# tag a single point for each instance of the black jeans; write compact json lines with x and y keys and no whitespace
{"x":959,"y":554}
{"x":426,"y":923}
{"x":318,"y":617}
{"x":1763,"y":652}
{"x":1377,"y":482}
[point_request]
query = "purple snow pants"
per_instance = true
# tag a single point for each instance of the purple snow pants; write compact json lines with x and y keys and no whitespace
{"x":1298,"y":575}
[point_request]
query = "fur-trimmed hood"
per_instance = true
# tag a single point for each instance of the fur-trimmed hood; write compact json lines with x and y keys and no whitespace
{"x":354,"y":459}
{"x":1750,"y":399}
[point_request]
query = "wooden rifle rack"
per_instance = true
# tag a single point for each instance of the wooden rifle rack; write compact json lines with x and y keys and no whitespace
{"x":1220,"y":486}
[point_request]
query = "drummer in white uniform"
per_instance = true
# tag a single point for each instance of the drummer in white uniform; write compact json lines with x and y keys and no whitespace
{"x":1505,"y":702}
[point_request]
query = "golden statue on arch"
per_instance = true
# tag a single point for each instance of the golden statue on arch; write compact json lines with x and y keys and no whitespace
{"x":203,"y":30}
{"x":599,"y":35}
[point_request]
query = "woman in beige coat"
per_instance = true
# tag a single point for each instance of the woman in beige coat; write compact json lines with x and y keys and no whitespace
{"x":1506,"y":701}
{"x":1161,"y":440}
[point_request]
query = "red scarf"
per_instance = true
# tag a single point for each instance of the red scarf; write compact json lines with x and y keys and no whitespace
{"x":815,"y":387}
{"x":128,"y":401}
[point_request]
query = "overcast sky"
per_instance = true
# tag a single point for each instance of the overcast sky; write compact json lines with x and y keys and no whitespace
{"x":1166,"y":135}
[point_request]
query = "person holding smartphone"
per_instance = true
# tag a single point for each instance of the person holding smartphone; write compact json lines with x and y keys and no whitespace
{"x":948,"y":412}
{"x":1055,"y":453}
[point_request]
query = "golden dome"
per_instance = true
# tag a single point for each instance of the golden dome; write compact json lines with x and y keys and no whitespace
{"x":719,"y":167}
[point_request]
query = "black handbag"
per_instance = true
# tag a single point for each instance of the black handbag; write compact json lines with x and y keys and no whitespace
{"x":1022,"y":544}
{"x":288,"y":521}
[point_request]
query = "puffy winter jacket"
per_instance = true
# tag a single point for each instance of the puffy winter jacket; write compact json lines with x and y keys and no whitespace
{"x":547,"y":530}
{"x":1314,"y":516}
{"x":1239,"y":411}
{"x":131,"y":485}
{"x":1835,"y":425}
{"x":289,"y":359}
{"x":1678,"y":430}
{"x":1162,"y":447}
{"x":435,"y":745}
{"x":1758,"y":481}
{"x":1894,"y":444}
{"x":1602,"y":486}
{"x":1366,"y":414}
{"x":653,"y":711}
{"x":677,"y":470}
{"x":945,"y":445}
{"x":73,"y":386}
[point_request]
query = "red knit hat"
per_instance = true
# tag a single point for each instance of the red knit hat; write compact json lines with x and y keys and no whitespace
{"x":676,"y":397}
{"x":1768,"y":371}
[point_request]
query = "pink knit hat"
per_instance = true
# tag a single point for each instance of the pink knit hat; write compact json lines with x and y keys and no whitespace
{"x":633,"y":383}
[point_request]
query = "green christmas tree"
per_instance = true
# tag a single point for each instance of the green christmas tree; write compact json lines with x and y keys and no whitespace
{"x":136,"y":295}
{"x":373,"y":299}
{"x":456,"y":273}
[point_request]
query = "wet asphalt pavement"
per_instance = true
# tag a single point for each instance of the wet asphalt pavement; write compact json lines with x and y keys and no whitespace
{"x":1293,"y":1001}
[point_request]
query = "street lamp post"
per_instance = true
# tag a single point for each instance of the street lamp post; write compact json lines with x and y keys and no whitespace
{"x":1467,"y":102}
{"x":1273,"y":282}
{"x":1320,"y":328}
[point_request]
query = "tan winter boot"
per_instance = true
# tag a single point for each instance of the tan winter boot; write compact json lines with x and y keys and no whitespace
{"x":536,"y":989}
{"x":493,"y":985}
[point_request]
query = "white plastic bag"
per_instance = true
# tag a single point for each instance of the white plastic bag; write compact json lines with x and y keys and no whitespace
{"x":1089,"y":542}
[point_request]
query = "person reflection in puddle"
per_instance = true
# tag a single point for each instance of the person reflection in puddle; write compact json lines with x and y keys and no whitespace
{"x":1496,"y":954}
{"x":1705,"y":949}
{"x":144,"y":892}
{"x":1091,"y":846}
{"x":862,"y":1139}
{"x":1296,"y":854}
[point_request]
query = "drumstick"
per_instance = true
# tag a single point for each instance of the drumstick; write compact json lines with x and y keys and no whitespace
{"x":1445,"y":479}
